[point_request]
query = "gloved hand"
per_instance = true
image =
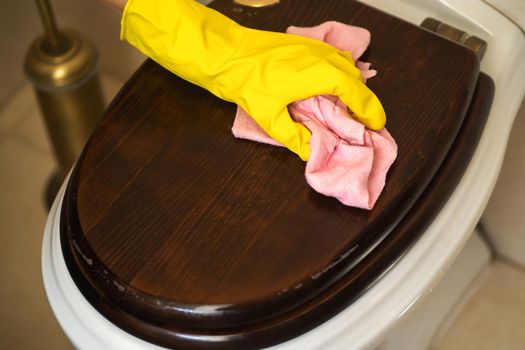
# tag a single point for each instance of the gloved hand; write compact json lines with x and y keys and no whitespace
{"x":260,"y":71}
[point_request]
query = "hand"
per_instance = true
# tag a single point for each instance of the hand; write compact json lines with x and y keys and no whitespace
{"x":261,"y":71}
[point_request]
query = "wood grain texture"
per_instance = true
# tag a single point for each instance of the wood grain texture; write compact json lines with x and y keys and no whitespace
{"x":171,"y":227}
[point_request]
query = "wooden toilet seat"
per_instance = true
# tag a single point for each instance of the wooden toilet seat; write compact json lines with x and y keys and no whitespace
{"x":187,"y":237}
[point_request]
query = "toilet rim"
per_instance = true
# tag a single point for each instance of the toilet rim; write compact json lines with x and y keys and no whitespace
{"x":365,"y":322}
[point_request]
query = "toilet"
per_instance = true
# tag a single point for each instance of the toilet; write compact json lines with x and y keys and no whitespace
{"x":170,"y":233}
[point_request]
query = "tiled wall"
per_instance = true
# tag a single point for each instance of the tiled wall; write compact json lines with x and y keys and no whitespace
{"x":503,"y":218}
{"x":20,"y":24}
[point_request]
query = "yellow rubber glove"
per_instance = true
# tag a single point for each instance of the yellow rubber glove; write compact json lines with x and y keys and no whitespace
{"x":260,"y":71}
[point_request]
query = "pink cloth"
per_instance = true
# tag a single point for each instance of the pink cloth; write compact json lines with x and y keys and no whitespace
{"x":347,"y":161}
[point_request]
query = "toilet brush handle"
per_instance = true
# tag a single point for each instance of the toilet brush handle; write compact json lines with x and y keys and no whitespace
{"x":55,"y":42}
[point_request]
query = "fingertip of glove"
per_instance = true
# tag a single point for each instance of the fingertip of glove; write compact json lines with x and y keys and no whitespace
{"x":304,"y":153}
{"x":375,"y":116}
{"x":302,"y":149}
{"x":375,"y":124}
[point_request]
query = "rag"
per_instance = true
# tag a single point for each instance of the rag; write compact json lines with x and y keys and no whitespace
{"x":347,"y":160}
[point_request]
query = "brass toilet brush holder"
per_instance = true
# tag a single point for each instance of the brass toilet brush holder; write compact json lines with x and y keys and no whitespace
{"x":62,"y":66}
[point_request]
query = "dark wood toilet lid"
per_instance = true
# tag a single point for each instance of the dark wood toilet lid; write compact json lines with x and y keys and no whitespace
{"x":185,"y":236}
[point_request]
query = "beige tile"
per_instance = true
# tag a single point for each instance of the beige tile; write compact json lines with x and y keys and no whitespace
{"x":101,"y":25}
{"x":111,"y":85}
{"x":3,"y":137}
{"x":14,"y":111}
{"x":502,"y":217}
{"x":513,"y":9}
{"x":19,"y":25}
{"x":32,"y":130}
{"x":27,"y":162}
{"x":26,"y":320}
{"x":31,"y":127}
{"x":494,"y":317}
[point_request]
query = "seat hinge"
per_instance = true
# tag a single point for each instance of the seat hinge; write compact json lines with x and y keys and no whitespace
{"x":478,"y":45}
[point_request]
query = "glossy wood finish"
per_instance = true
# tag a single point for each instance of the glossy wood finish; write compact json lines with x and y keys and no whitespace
{"x":173,"y":228}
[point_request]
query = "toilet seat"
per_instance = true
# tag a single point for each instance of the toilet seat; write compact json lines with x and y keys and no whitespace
{"x":106,"y":119}
{"x":174,"y":229}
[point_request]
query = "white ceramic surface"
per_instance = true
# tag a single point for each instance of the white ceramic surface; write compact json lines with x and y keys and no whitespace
{"x":503,"y":217}
{"x":417,"y":330}
{"x":365,"y":323}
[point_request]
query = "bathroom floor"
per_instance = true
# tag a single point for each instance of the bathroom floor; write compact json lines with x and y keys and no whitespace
{"x":493,"y":315}
{"x":26,"y":160}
